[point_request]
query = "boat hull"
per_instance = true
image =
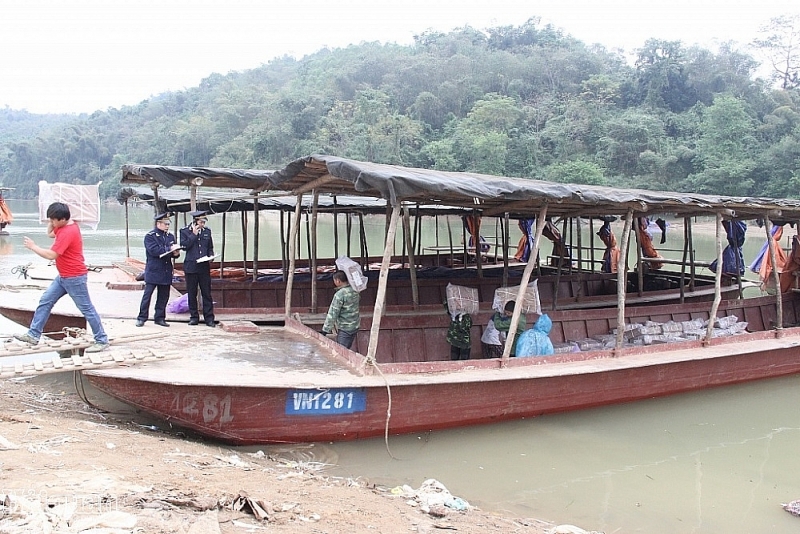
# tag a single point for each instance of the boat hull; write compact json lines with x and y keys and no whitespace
{"x":248,"y":415}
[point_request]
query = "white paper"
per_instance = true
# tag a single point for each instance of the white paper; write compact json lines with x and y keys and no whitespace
{"x":172,"y":249}
{"x":206,"y":258}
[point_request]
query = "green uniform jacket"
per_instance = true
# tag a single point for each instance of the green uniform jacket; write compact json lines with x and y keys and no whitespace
{"x":343,"y":312}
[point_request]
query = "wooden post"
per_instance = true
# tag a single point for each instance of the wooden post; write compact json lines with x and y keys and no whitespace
{"x":686,"y":223}
{"x":380,"y":298}
{"x":335,"y":228}
{"x":591,"y":244}
{"x":244,"y":240}
{"x":412,"y":267}
{"x":450,"y":237}
{"x":222,"y":257}
{"x":256,"y":233}
{"x":295,"y":232}
{"x":622,"y":280}
{"x":775,"y":274}
{"x":476,"y":241}
{"x":284,"y":244}
{"x":692,"y":268}
{"x":639,"y":270}
{"x":313,"y":244}
{"x":505,"y":240}
{"x":523,"y":285}
{"x":717,"y":282}
{"x":127,"y":235}
{"x":578,"y":231}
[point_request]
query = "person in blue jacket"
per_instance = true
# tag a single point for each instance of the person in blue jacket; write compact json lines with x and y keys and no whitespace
{"x":160,"y":247}
{"x":536,"y":340}
{"x":196,"y":241}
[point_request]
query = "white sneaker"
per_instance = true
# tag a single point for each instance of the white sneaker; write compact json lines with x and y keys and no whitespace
{"x":97,"y":347}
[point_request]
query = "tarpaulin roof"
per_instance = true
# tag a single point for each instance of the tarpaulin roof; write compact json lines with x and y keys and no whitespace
{"x":209,"y":177}
{"x":491,"y":195}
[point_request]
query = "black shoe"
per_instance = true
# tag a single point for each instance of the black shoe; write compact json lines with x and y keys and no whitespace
{"x":194,"y":322}
{"x":139,"y":322}
{"x":162,"y":323}
{"x":212,"y":324}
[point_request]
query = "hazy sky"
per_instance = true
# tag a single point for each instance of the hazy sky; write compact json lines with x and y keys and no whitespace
{"x":78,"y":56}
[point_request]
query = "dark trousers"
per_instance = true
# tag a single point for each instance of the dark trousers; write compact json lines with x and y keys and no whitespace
{"x":458,"y":353}
{"x":203,"y":281}
{"x":162,"y":296}
{"x":346,"y":338}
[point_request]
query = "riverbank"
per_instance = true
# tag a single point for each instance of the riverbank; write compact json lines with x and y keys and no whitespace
{"x":67,"y":466}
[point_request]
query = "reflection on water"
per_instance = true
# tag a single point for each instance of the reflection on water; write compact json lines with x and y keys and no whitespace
{"x":6,"y":248}
{"x":715,"y":461}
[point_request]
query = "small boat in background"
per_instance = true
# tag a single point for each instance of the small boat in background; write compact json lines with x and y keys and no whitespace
{"x":5,"y":212}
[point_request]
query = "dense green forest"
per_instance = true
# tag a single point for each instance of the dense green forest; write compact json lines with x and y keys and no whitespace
{"x":527,"y":101}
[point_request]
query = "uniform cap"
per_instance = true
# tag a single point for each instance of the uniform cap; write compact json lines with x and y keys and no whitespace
{"x":166,"y":215}
{"x":198,"y":213}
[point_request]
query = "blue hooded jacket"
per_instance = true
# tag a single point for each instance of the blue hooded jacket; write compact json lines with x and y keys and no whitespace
{"x":536,"y":341}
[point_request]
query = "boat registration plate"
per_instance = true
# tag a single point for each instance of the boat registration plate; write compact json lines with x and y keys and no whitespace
{"x":325,"y":401}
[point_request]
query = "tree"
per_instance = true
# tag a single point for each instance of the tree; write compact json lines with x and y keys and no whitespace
{"x":780,"y":42}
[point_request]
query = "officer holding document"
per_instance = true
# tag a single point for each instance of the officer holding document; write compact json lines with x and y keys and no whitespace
{"x":196,"y":241}
{"x":160,"y":247}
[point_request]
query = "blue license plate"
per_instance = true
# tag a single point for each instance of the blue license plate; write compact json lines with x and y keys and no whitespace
{"x":325,"y":401}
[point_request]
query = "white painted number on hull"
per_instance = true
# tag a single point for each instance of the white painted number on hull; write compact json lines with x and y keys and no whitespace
{"x":210,"y":407}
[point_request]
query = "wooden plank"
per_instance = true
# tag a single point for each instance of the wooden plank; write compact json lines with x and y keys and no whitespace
{"x":76,"y":360}
{"x":95,"y":358}
{"x":38,"y":365}
{"x":57,"y":363}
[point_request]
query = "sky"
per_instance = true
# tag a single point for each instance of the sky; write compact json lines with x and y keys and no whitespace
{"x":80,"y":56}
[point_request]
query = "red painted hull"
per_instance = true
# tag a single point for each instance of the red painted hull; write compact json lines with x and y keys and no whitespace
{"x":55,"y":325}
{"x":526,"y":388}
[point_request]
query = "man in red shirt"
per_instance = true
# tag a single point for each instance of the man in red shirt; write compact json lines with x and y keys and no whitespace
{"x":67,"y":251}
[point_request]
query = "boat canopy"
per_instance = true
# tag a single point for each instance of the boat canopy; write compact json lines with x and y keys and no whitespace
{"x":491,"y":195}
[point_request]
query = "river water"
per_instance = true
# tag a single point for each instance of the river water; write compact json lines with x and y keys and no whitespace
{"x":720,"y":460}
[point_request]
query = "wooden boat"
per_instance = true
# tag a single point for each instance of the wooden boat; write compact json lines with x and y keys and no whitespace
{"x":291,"y":384}
{"x":326,"y":393}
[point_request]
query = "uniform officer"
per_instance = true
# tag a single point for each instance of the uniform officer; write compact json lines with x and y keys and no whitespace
{"x":160,"y":247}
{"x":196,"y":241}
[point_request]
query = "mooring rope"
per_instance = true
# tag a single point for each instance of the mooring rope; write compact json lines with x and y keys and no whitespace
{"x":373,"y":363}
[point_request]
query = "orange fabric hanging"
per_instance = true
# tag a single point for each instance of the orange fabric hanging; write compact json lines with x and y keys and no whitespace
{"x":5,"y":213}
{"x":612,"y":252}
{"x":765,"y":271}
{"x":646,"y":242}
{"x":792,"y":264}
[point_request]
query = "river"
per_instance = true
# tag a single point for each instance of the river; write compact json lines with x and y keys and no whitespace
{"x":720,"y":460}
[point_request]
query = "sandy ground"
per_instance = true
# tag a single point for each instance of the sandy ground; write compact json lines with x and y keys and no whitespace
{"x":67,"y":467}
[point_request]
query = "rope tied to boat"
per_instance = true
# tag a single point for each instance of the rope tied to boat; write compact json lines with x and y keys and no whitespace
{"x":21,"y":270}
{"x":370,"y":360}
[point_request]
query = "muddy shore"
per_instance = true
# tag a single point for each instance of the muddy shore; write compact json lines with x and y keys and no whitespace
{"x":70,"y":467}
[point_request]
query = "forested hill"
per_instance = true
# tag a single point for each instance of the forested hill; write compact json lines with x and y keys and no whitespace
{"x":526,"y":101}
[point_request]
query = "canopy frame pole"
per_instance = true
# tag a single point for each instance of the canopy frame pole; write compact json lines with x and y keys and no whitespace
{"x":450,"y":238}
{"x":256,"y":233}
{"x":244,"y":241}
{"x":523,"y":285}
{"x":639,"y":270}
{"x":686,"y":223}
{"x":692,"y":267}
{"x":775,"y":275}
{"x":295,"y":233}
{"x":591,"y":244}
{"x":222,"y":257}
{"x":127,"y":229}
{"x":284,"y":262}
{"x":313,"y":269}
{"x":412,"y":264}
{"x":712,"y":317}
{"x":335,"y":227}
{"x":380,"y":298}
{"x":622,"y":280}
{"x":364,"y":245}
{"x":476,"y":241}
{"x":504,"y":242}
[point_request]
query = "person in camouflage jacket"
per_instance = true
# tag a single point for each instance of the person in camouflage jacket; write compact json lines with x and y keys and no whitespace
{"x":458,"y":334}
{"x":343,"y":313}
